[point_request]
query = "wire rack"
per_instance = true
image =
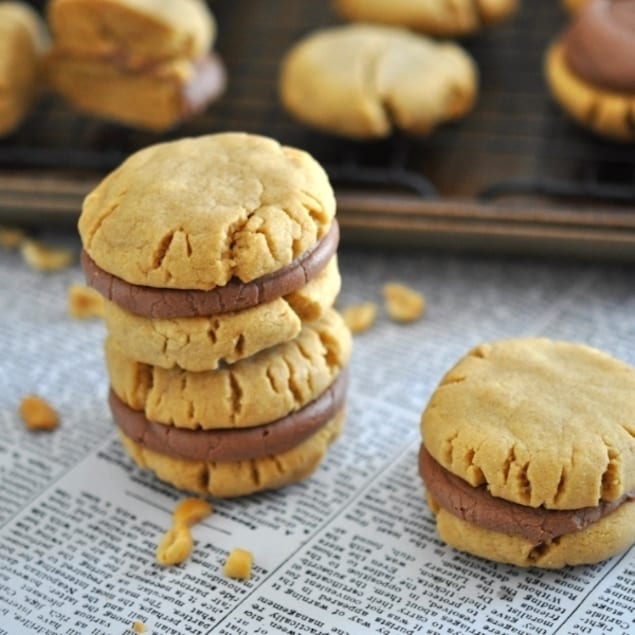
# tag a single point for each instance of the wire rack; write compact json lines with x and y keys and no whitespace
{"x":516,"y":174}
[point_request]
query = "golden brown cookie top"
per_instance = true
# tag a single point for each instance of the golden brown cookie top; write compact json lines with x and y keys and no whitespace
{"x":133,"y":31}
{"x":541,"y":422}
{"x":363,"y":80}
{"x":193,"y":213}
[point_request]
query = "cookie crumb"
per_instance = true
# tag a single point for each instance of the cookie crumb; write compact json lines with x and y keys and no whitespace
{"x":139,"y":627}
{"x":45,"y":258}
{"x":238,"y":564}
{"x":11,"y":237}
{"x":360,"y":317}
{"x":38,"y":414}
{"x":190,"y":511}
{"x":175,"y":546}
{"x":84,"y":302}
{"x":403,"y":303}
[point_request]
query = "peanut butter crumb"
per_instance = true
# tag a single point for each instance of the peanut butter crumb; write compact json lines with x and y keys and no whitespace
{"x":190,"y":511}
{"x":38,"y":414}
{"x":175,"y":546}
{"x":11,"y":237}
{"x":403,"y":304}
{"x":84,"y":302}
{"x":45,"y":258}
{"x":238,"y":564}
{"x":139,"y":627}
{"x":360,"y":317}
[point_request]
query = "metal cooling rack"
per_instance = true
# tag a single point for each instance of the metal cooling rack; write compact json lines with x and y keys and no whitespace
{"x":514,"y":175}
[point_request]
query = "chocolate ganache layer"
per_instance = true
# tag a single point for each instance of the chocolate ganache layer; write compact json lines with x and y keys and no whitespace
{"x":158,"y":303}
{"x":477,"y":506}
{"x":232,"y":444}
{"x":599,"y":46}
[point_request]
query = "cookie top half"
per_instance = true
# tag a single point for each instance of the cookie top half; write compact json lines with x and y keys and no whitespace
{"x":197,"y":212}
{"x":539,"y":422}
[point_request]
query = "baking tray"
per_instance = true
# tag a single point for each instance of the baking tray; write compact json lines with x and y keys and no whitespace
{"x":515,"y":175}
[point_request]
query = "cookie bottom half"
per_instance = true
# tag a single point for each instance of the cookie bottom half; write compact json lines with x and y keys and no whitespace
{"x":603,"y":539}
{"x":607,"y":113}
{"x":157,"y":100}
{"x":238,"y":478}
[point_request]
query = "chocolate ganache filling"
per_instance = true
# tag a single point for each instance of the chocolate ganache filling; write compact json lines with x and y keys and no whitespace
{"x":160,"y":303}
{"x":599,"y":46}
{"x":232,"y":444}
{"x":477,"y":506}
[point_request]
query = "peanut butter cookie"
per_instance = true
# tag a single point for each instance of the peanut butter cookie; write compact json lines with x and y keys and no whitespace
{"x":447,"y":18}
{"x":364,"y":80}
{"x":529,"y":444}
{"x":23,"y":39}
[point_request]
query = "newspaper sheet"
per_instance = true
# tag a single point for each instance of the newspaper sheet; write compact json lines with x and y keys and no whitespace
{"x":351,"y":550}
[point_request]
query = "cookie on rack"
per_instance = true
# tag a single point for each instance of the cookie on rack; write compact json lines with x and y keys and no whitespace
{"x":590,"y":68}
{"x":217,"y":259}
{"x":257,"y":424}
{"x":363,"y":81}
{"x":147,"y":63}
{"x":445,"y":18}
{"x":23,"y":40}
{"x":528,"y":453}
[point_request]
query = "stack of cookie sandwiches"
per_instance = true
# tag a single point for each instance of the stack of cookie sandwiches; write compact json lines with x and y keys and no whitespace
{"x":528,"y":453}
{"x":217,"y":259}
{"x":146,"y":63}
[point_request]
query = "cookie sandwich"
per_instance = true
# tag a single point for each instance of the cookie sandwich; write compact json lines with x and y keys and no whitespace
{"x":260,"y":423}
{"x":23,"y":40}
{"x":528,"y":453}
{"x":590,"y":68}
{"x":147,"y":63}
{"x":444,"y":18}
{"x":217,"y":260}
{"x":364,"y":81}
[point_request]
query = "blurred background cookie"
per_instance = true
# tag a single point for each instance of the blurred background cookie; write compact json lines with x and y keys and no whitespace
{"x":362,"y":81}
{"x":446,"y":18}
{"x":528,"y":453}
{"x":147,"y":63}
{"x":23,"y":39}
{"x":591,"y":68}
